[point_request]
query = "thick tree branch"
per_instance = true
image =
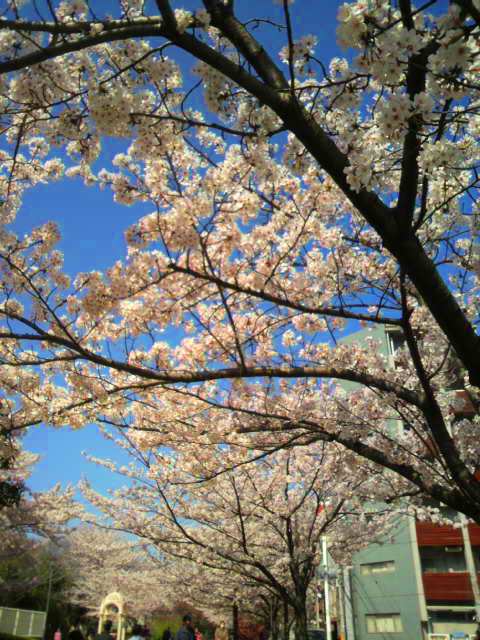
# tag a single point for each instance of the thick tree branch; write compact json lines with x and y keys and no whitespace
{"x":404,"y":247}
{"x":464,"y":479}
{"x":282,"y":302}
{"x":470,"y":8}
{"x":451,"y":497}
{"x":186,"y":377}
{"x":167,"y":14}
{"x":255,"y":54}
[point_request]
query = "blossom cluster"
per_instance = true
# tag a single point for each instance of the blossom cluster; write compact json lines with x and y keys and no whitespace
{"x":248,"y":266}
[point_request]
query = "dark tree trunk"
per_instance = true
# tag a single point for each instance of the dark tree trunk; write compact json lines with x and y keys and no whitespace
{"x":236,"y":635}
{"x":285,"y":621}
{"x":301,"y":623}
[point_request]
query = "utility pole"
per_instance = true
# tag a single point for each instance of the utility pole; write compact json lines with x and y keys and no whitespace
{"x":49,"y":594}
{"x":341,"y":622}
{"x":326,"y":596}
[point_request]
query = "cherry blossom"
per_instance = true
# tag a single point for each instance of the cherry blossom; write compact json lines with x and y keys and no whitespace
{"x":302,"y":201}
{"x":102,"y":561}
{"x":35,"y":517}
{"x":243,"y":531}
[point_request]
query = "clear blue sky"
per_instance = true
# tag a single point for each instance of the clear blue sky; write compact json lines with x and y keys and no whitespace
{"x":92,"y":228}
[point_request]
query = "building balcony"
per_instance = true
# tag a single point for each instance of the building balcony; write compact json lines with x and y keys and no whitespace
{"x":474,"y":533}
{"x":447,"y":587}
{"x":434,"y":535}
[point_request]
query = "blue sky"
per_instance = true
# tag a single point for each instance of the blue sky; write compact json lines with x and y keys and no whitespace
{"x":93,"y":226}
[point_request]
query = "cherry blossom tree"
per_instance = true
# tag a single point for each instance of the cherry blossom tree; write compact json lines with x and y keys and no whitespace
{"x":32,"y":525}
{"x":260,"y":524}
{"x":304,"y":198}
{"x":34,"y":517}
{"x":215,"y":593}
{"x":11,"y":484}
{"x":101,"y":561}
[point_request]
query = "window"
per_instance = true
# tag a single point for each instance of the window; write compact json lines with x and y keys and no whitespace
{"x":397,"y":340}
{"x":449,"y":621}
{"x":372,"y":568}
{"x":405,"y":427}
{"x":443,"y":559}
{"x":452,"y":615}
{"x":384,"y":623}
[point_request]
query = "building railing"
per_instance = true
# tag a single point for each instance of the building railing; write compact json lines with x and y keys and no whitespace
{"x":450,"y":636}
{"x":452,"y":587}
{"x":435,"y":535}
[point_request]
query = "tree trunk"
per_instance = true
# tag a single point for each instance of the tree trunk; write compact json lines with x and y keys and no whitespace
{"x":236,"y":635}
{"x":301,"y":624}
{"x":285,"y":621}
{"x":274,"y":622}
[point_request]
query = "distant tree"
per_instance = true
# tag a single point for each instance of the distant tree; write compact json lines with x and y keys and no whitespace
{"x":32,"y":526}
{"x":31,"y":518}
{"x":101,"y":561}
{"x":248,"y":534}
{"x":11,"y":488}
{"x":37,"y":579}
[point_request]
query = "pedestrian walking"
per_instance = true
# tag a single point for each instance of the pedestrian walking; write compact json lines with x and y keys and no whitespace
{"x":75,"y":632}
{"x":221,"y":632}
{"x":137,"y":632}
{"x":105,"y":634}
{"x":186,"y":631}
{"x":167,"y":634}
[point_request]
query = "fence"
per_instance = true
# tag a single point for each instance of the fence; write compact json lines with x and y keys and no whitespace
{"x":22,"y":623}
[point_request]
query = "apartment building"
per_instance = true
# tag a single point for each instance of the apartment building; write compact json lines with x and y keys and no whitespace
{"x":420,"y":583}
